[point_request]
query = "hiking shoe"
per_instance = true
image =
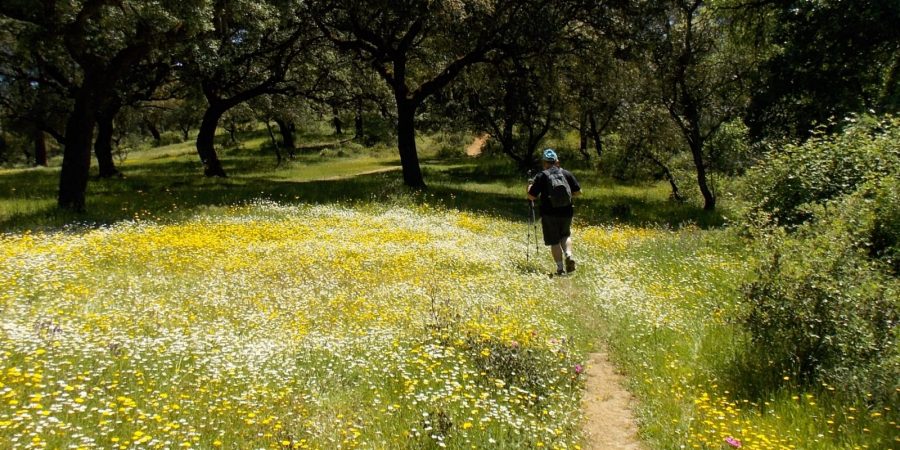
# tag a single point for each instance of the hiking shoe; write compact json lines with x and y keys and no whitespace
{"x":570,"y":263}
{"x":560,"y":273}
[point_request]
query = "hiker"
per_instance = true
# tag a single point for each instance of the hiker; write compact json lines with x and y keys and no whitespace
{"x":556,"y":187}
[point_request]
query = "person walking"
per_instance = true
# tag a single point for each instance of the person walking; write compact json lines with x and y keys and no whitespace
{"x":556,"y":187}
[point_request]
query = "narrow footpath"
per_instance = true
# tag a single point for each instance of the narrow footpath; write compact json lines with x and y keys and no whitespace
{"x":608,"y":419}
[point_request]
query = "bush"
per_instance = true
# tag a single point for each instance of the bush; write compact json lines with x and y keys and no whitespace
{"x":728,"y":149}
{"x":826,"y":300}
{"x":171,"y":137}
{"x":377,"y":130}
{"x":885,"y":236}
{"x":823,"y":310}
{"x":621,"y":162}
{"x":823,"y":168}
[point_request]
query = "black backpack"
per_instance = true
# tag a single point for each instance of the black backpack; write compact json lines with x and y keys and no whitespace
{"x":560,"y":193}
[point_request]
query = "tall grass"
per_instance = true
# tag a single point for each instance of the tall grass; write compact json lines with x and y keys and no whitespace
{"x":670,"y":321}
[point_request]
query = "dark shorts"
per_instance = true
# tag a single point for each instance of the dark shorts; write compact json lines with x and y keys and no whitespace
{"x":555,"y":229}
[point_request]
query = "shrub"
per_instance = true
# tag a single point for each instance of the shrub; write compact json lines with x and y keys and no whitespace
{"x":885,"y":235}
{"x":377,"y":130}
{"x":171,"y":137}
{"x":728,"y":149}
{"x":826,"y":300}
{"x":823,"y":168}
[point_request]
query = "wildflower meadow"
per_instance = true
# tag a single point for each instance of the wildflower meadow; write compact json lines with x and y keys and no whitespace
{"x":271,"y":326}
{"x":316,"y":224}
{"x":420,"y":321}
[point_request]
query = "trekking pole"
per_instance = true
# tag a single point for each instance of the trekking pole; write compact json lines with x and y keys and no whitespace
{"x":529,"y":227}
{"x":532,"y":227}
{"x":537,"y":247}
{"x":528,"y":242}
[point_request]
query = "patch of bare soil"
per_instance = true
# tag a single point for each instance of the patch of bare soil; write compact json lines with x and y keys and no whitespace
{"x":475,"y":148}
{"x":609,"y":423}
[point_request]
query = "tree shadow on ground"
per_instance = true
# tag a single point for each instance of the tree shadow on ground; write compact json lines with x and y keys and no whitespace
{"x":502,"y":193}
{"x":160,"y":189}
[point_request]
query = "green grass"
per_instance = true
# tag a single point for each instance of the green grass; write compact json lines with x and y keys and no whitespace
{"x":308,"y":304}
{"x":166,"y":180}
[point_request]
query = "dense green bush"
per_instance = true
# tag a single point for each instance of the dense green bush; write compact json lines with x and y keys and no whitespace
{"x":885,"y":241}
{"x":823,"y":168}
{"x":826,"y":300}
{"x":377,"y":130}
{"x":822,"y":308}
{"x":728,"y":150}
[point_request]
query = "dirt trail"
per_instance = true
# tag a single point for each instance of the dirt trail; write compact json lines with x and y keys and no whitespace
{"x":609,"y":423}
{"x":474,"y":149}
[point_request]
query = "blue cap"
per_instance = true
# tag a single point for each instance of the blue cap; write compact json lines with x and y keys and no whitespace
{"x":550,"y":155}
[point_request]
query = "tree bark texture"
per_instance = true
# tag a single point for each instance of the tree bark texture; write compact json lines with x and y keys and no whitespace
{"x":286,"y":128}
{"x":103,"y":144}
{"x":212,"y":166}
{"x":73,"y":177}
{"x":406,"y":143}
{"x":709,"y":199}
{"x":154,"y":131}
{"x":40,"y":148}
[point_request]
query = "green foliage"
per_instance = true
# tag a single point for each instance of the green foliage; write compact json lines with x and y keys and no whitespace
{"x":826,"y":300}
{"x":822,"y":309}
{"x":885,"y":240}
{"x":729,"y":148}
{"x":833,"y":58}
{"x":377,"y":130}
{"x":823,"y":168}
{"x":663,"y":299}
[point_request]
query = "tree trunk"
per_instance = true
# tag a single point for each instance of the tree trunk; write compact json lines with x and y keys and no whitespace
{"x":103,"y":144}
{"x":406,"y":143}
{"x":73,"y":177}
{"x":676,"y":194}
{"x":583,"y":137}
{"x":338,"y":125}
{"x":185,"y":133}
{"x":3,"y":147}
{"x":157,"y":137}
{"x":232,"y":129}
{"x":358,"y":122}
{"x":40,"y":148}
{"x":287,"y":135}
{"x":595,"y":134}
{"x":206,"y":136}
{"x":696,"y":144}
{"x":274,"y":142}
{"x":508,"y":144}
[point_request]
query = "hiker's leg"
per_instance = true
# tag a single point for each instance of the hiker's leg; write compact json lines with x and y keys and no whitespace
{"x":557,"y":252}
{"x":565,"y":231}
{"x":551,"y":227}
{"x":567,"y":245}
